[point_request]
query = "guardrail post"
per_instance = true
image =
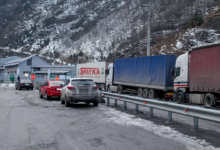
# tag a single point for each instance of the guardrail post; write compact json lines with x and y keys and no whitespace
{"x":125,"y":105}
{"x":116,"y":103}
{"x":136,"y":108}
{"x":108,"y":101}
{"x":151,"y":114}
{"x":196,"y":124}
{"x":170,"y":119}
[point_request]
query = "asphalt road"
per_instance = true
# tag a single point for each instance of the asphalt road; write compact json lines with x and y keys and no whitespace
{"x":28,"y":123}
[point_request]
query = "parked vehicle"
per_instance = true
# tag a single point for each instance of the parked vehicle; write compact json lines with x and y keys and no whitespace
{"x":196,"y":76}
{"x":95,"y":71}
{"x":24,"y":84}
{"x":149,"y":77}
{"x":50,"y":89}
{"x":79,"y":90}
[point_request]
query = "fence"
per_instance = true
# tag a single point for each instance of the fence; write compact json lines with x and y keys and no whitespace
{"x":193,"y":111}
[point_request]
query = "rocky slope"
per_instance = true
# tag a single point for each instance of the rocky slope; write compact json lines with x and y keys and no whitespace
{"x":78,"y":31}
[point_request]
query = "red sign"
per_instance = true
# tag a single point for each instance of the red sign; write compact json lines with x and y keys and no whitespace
{"x":32,"y":76}
{"x":89,"y":71}
{"x":57,"y":78}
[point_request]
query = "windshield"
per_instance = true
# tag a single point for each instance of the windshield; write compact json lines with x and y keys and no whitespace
{"x":56,"y":83}
{"x":25,"y":81}
{"x":82,"y":82}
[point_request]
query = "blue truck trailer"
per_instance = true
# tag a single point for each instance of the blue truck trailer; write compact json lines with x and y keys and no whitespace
{"x":149,"y":77}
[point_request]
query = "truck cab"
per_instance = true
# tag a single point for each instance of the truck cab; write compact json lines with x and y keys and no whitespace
{"x":181,"y":76}
{"x":109,"y":78}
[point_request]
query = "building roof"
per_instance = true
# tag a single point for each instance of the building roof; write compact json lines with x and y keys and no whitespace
{"x":50,"y":72}
{"x":52,"y":66}
{"x":5,"y":60}
{"x":17,"y":61}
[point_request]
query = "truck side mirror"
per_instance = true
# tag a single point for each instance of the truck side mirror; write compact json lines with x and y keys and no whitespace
{"x":173,"y":73}
{"x":107,"y":71}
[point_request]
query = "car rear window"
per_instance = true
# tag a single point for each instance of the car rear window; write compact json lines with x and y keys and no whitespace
{"x":56,"y":83}
{"x":25,"y":81}
{"x":82,"y":82}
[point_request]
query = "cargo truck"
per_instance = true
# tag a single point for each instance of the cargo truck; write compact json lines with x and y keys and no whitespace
{"x":149,"y":77}
{"x":95,"y":71}
{"x":197,"y":76}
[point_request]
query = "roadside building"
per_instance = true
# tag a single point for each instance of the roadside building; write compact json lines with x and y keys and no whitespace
{"x":22,"y":66}
{"x":2,"y":62}
{"x":63,"y":72}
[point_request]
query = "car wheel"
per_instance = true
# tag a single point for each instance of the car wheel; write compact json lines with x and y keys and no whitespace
{"x":32,"y":88}
{"x":27,"y":88}
{"x":180,"y":98}
{"x":67,"y":104}
{"x":47,"y":97}
{"x":209,"y":100}
{"x":95,"y":103}
{"x":40,"y":95}
{"x":61,"y":101}
{"x":19,"y":88}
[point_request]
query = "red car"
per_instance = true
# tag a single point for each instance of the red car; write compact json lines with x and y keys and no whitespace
{"x":50,"y":88}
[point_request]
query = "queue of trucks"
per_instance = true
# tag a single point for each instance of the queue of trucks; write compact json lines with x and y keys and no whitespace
{"x":192,"y":77}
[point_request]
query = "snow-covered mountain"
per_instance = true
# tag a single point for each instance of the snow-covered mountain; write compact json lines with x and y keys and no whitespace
{"x":91,"y":30}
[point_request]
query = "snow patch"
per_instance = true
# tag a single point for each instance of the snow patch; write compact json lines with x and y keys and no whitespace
{"x":124,"y":119}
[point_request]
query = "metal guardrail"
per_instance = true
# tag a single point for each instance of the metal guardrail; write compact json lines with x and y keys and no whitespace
{"x":193,"y":111}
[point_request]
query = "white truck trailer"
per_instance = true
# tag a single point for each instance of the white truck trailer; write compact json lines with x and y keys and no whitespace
{"x":95,"y":71}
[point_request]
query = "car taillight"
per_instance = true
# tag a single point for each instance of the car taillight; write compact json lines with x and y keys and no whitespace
{"x":95,"y":87}
{"x":71,"y":87}
{"x":32,"y":84}
{"x":21,"y":84}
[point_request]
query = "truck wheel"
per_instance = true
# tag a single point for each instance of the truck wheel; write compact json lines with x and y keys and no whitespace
{"x":108,"y":88}
{"x":145,"y":93}
{"x":180,"y":98}
{"x":119,"y":89}
{"x":209,"y":100}
{"x":152,"y":94}
{"x":140,"y":92}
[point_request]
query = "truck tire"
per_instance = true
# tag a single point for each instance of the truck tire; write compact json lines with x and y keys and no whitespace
{"x":140,"y":92}
{"x":209,"y":100}
{"x":152,"y":94}
{"x":180,"y":97}
{"x":119,"y":89}
{"x":108,"y":88}
{"x":145,"y":93}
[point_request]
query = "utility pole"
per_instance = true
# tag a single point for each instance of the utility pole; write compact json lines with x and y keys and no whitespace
{"x":149,"y":29}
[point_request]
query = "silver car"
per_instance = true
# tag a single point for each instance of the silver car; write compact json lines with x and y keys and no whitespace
{"x":79,"y":90}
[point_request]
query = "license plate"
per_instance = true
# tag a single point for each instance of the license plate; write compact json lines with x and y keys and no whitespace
{"x":26,"y":84}
{"x":58,"y":89}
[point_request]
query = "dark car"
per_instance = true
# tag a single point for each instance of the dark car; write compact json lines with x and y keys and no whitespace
{"x":24,"y":84}
{"x":50,"y":89}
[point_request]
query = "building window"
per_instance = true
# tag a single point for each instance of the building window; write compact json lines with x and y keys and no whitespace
{"x":29,"y":62}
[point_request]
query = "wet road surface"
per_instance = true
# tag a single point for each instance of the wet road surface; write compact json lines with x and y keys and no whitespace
{"x":29,"y":122}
